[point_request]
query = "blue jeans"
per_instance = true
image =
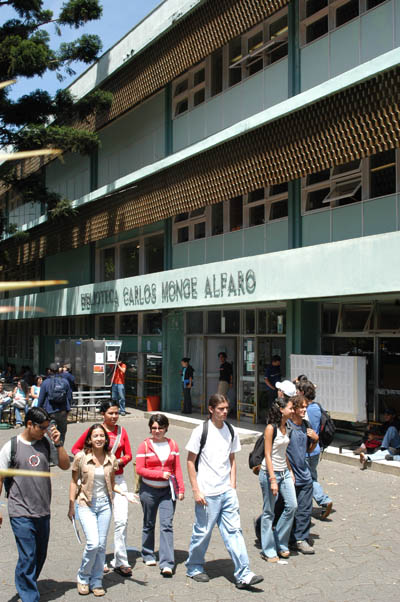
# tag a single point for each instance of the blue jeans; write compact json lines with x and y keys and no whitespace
{"x":221,"y":510}
{"x":302,"y":518}
{"x":391,"y":438}
{"x":4,"y":404}
{"x":32,"y":537}
{"x":153,"y":499}
{"x":118,"y":394}
{"x":95,"y":520}
{"x":273,"y":542}
{"x":18,"y":417}
{"x":381,"y":454}
{"x":320,"y":497}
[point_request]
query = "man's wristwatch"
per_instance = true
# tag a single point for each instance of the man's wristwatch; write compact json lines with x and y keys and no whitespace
{"x":58,"y":444}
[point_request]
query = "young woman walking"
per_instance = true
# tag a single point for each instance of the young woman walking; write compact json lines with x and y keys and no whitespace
{"x":276,"y":476}
{"x":95,"y":468}
{"x":121,"y":448}
{"x":157,"y":462}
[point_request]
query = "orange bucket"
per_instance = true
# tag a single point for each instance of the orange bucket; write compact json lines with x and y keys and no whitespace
{"x":153,"y":403}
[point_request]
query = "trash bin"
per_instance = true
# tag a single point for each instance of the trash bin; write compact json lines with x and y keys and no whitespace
{"x":153,"y":403}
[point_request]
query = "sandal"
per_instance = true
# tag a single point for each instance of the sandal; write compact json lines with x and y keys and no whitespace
{"x":106,"y":569}
{"x":284,"y":553}
{"x":124,"y":571}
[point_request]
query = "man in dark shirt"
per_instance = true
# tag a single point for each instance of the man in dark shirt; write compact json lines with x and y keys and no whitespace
{"x":272,"y":375}
{"x":225,"y":374}
{"x":29,"y":498}
{"x":58,"y":411}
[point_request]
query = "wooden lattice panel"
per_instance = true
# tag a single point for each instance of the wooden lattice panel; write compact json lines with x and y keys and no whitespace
{"x":355,"y":123}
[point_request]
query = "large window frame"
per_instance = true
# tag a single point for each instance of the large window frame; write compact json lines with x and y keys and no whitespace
{"x":140,"y":241}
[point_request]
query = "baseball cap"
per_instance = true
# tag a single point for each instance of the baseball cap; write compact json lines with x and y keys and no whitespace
{"x":287,"y":387}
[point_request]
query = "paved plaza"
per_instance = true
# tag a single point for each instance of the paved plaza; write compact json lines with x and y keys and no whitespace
{"x":357,"y":547}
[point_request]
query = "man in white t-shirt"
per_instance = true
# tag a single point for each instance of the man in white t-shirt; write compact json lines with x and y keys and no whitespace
{"x":214,"y":491}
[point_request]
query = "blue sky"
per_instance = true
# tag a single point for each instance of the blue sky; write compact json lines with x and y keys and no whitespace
{"x":119,"y":17}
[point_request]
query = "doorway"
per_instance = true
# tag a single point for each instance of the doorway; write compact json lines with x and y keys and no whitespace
{"x":214,"y":346}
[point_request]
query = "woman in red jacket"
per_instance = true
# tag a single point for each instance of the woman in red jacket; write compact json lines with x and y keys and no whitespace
{"x":157,"y":462}
{"x":121,"y":448}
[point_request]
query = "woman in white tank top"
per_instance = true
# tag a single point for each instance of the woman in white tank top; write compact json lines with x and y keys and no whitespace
{"x":276,"y":476}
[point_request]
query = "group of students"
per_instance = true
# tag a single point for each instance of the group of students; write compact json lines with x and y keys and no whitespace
{"x":98,"y":489}
{"x":20,"y":397}
{"x":288,"y":472}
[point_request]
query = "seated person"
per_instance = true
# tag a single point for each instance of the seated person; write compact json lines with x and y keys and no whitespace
{"x":5,"y":399}
{"x":390,"y":445}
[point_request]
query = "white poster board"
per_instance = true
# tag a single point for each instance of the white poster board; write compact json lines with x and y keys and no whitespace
{"x":340,"y":380}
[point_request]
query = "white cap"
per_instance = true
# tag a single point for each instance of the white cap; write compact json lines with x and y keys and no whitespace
{"x":287,"y":387}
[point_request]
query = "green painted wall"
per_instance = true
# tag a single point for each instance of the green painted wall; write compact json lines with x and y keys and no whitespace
{"x":134,"y":140}
{"x":173,"y":351}
{"x":69,"y":178}
{"x":73,"y":266}
{"x":380,"y":215}
{"x":302,"y":329}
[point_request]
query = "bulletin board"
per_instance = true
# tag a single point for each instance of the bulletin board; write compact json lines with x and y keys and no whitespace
{"x":340,"y":380}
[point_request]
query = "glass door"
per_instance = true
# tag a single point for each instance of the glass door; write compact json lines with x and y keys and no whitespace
{"x":247,"y":380}
{"x":268,"y":347}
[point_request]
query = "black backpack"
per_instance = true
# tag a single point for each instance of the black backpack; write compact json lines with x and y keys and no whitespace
{"x":204,"y":439}
{"x":327,"y":429}
{"x":57,"y":392}
{"x":256,"y":456}
{"x":9,"y":480}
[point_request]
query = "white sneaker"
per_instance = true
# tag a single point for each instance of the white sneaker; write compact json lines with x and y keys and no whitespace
{"x":150,"y":563}
{"x":166,"y":571}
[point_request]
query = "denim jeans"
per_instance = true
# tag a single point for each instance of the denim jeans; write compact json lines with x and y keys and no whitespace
{"x":95,"y":520}
{"x":302,"y":518}
{"x":381,"y":454}
{"x":274,"y":541}
{"x":391,"y":438}
{"x":4,"y":404}
{"x":120,"y":510}
{"x":153,"y":499}
{"x":32,"y":537}
{"x":18,"y":417}
{"x":118,"y":394}
{"x":320,"y":497}
{"x":61,"y":419}
{"x":222,"y":510}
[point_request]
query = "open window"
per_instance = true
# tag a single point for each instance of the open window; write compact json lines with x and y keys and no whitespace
{"x":344,"y":192}
{"x":382,"y":174}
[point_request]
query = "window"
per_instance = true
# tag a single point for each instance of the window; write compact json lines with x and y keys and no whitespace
{"x":346,"y":12}
{"x":192,"y":225}
{"x":129,"y":324}
{"x":236,"y":213}
{"x":154,"y":253}
{"x":344,"y":192}
{"x":271,"y":321}
{"x":315,"y":199}
{"x":106,"y":325}
{"x":214,"y":322}
{"x":278,"y":210}
{"x":231,"y":322}
{"x":382,"y":174}
{"x":152,"y":323}
{"x":189,"y":90}
{"x":217,"y":219}
{"x":130,"y":259}
{"x":354,"y":318}
{"x":194,"y":322}
{"x":143,"y":255}
{"x":338,"y":186}
{"x":216,"y":72}
{"x":235,"y":56}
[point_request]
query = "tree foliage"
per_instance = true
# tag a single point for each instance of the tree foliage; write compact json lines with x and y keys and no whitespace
{"x":39,"y":119}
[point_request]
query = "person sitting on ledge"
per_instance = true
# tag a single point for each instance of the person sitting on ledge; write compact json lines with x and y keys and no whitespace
{"x":390,"y":447}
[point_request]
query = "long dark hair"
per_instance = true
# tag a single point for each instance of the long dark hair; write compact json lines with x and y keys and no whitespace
{"x":87,"y":446}
{"x":275,"y":414}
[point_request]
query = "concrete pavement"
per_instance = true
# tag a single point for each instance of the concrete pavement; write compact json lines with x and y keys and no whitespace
{"x":356,"y":548}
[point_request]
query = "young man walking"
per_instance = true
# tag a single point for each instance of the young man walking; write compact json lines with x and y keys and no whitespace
{"x":29,"y":497}
{"x":214,"y":491}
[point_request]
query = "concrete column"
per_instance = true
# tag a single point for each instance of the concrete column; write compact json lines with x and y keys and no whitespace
{"x":173,"y":351}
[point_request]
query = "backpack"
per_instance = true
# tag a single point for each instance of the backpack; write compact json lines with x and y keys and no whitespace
{"x":57,"y":392}
{"x":327,"y":429}
{"x":9,"y":480}
{"x":256,"y":456}
{"x":204,"y":439}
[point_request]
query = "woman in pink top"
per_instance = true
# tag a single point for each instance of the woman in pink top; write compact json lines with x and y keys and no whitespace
{"x":120,"y":441}
{"x":157,"y":462}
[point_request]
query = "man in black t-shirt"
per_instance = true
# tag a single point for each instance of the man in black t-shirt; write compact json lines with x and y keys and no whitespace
{"x":272,"y":375}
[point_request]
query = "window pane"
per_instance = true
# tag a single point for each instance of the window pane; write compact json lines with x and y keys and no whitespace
{"x":279,"y":209}
{"x":232,"y":322}
{"x":346,"y":12}
{"x":183,"y":234}
{"x":256,"y":195}
{"x":278,"y":189}
{"x":317,"y":29}
{"x":388,"y":317}
{"x":154,"y":254}
{"x":236,"y":213}
{"x":383,"y":174}
{"x":271,"y":321}
{"x":354,"y":317}
{"x":319,"y":176}
{"x":200,"y":230}
{"x":329,"y":319}
{"x":235,"y":54}
{"x":199,"y":97}
{"x":257,"y":215}
{"x":313,"y":6}
{"x":182,"y":107}
{"x":182,"y":217}
{"x":315,"y":199}
{"x":181,"y":87}
{"x":129,"y":324}
{"x":152,"y":323}
{"x":373,"y":3}
{"x":194,"y":322}
{"x":108,"y":264}
{"x":250,"y":321}
{"x":346,"y":167}
{"x":216,"y":72}
{"x":107,"y":325}
{"x":217,"y":219}
{"x":214,"y":322}
{"x":130,"y":259}
{"x":199,"y":77}
{"x":254,"y":65}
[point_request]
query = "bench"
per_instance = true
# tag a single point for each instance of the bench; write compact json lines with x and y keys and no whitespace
{"x":88,"y":402}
